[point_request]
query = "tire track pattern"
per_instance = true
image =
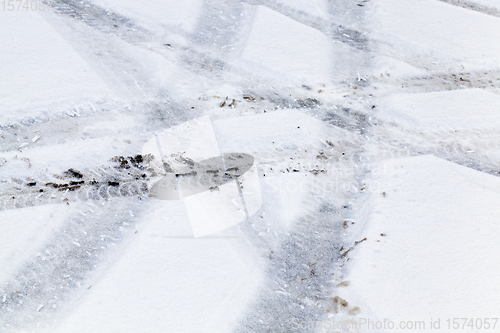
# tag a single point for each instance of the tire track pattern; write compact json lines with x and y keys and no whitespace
{"x":303,"y":263}
{"x":336,"y":32}
{"x":127,"y":178}
{"x":474,"y":6}
{"x":47,"y":281}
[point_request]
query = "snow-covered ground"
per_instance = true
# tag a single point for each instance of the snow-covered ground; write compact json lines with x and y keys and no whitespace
{"x":250,"y":166}
{"x":430,"y":247}
{"x":41,"y":71}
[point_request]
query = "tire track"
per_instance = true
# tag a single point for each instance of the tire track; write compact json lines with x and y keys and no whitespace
{"x":471,"y":5}
{"x":300,"y":267}
{"x":303,"y":264}
{"x":336,"y":32}
{"x":62,"y":265}
{"x":472,"y":148}
{"x":106,"y":201}
{"x":440,"y":81}
{"x":202,"y":61}
{"x":127,"y":178}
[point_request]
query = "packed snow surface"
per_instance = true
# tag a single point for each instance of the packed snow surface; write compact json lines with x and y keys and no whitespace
{"x":369,"y":132}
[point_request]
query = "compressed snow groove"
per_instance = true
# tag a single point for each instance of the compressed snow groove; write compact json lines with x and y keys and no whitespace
{"x":130,"y":32}
{"x":100,"y":18}
{"x":218,"y":29}
{"x":474,"y":6}
{"x":65,"y":261}
{"x":303,"y":263}
{"x":299,"y":270}
{"x":347,"y":118}
{"x":467,"y":147}
{"x":126,"y":179}
{"x":196,"y":58}
{"x":201,"y":59}
{"x":158,"y":114}
{"x":337,"y":32}
{"x":438,"y":81}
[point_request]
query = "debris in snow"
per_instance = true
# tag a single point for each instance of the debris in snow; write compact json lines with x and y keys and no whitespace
{"x":360,"y":241}
{"x":249,"y":97}
{"x":354,"y":310}
{"x":340,"y":301}
{"x":343,"y":284}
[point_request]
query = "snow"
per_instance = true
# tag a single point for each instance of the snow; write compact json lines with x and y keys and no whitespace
{"x":266,"y":132}
{"x":438,"y":28}
{"x":437,"y":255}
{"x":486,"y":3}
{"x":167,"y":281}
{"x":381,"y":66}
{"x":317,"y":8}
{"x":214,"y":209}
{"x":42,"y":68}
{"x":289,"y":191}
{"x":282,"y":45}
{"x":286,"y":131}
{"x":318,"y":93}
{"x":188,"y":283}
{"x":22,"y":235}
{"x":61,"y":157}
{"x":159,"y":14}
{"x":455,"y":109}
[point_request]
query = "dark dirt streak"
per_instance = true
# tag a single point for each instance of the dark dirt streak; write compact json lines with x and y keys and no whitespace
{"x":128,"y":175}
{"x":74,"y":251}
